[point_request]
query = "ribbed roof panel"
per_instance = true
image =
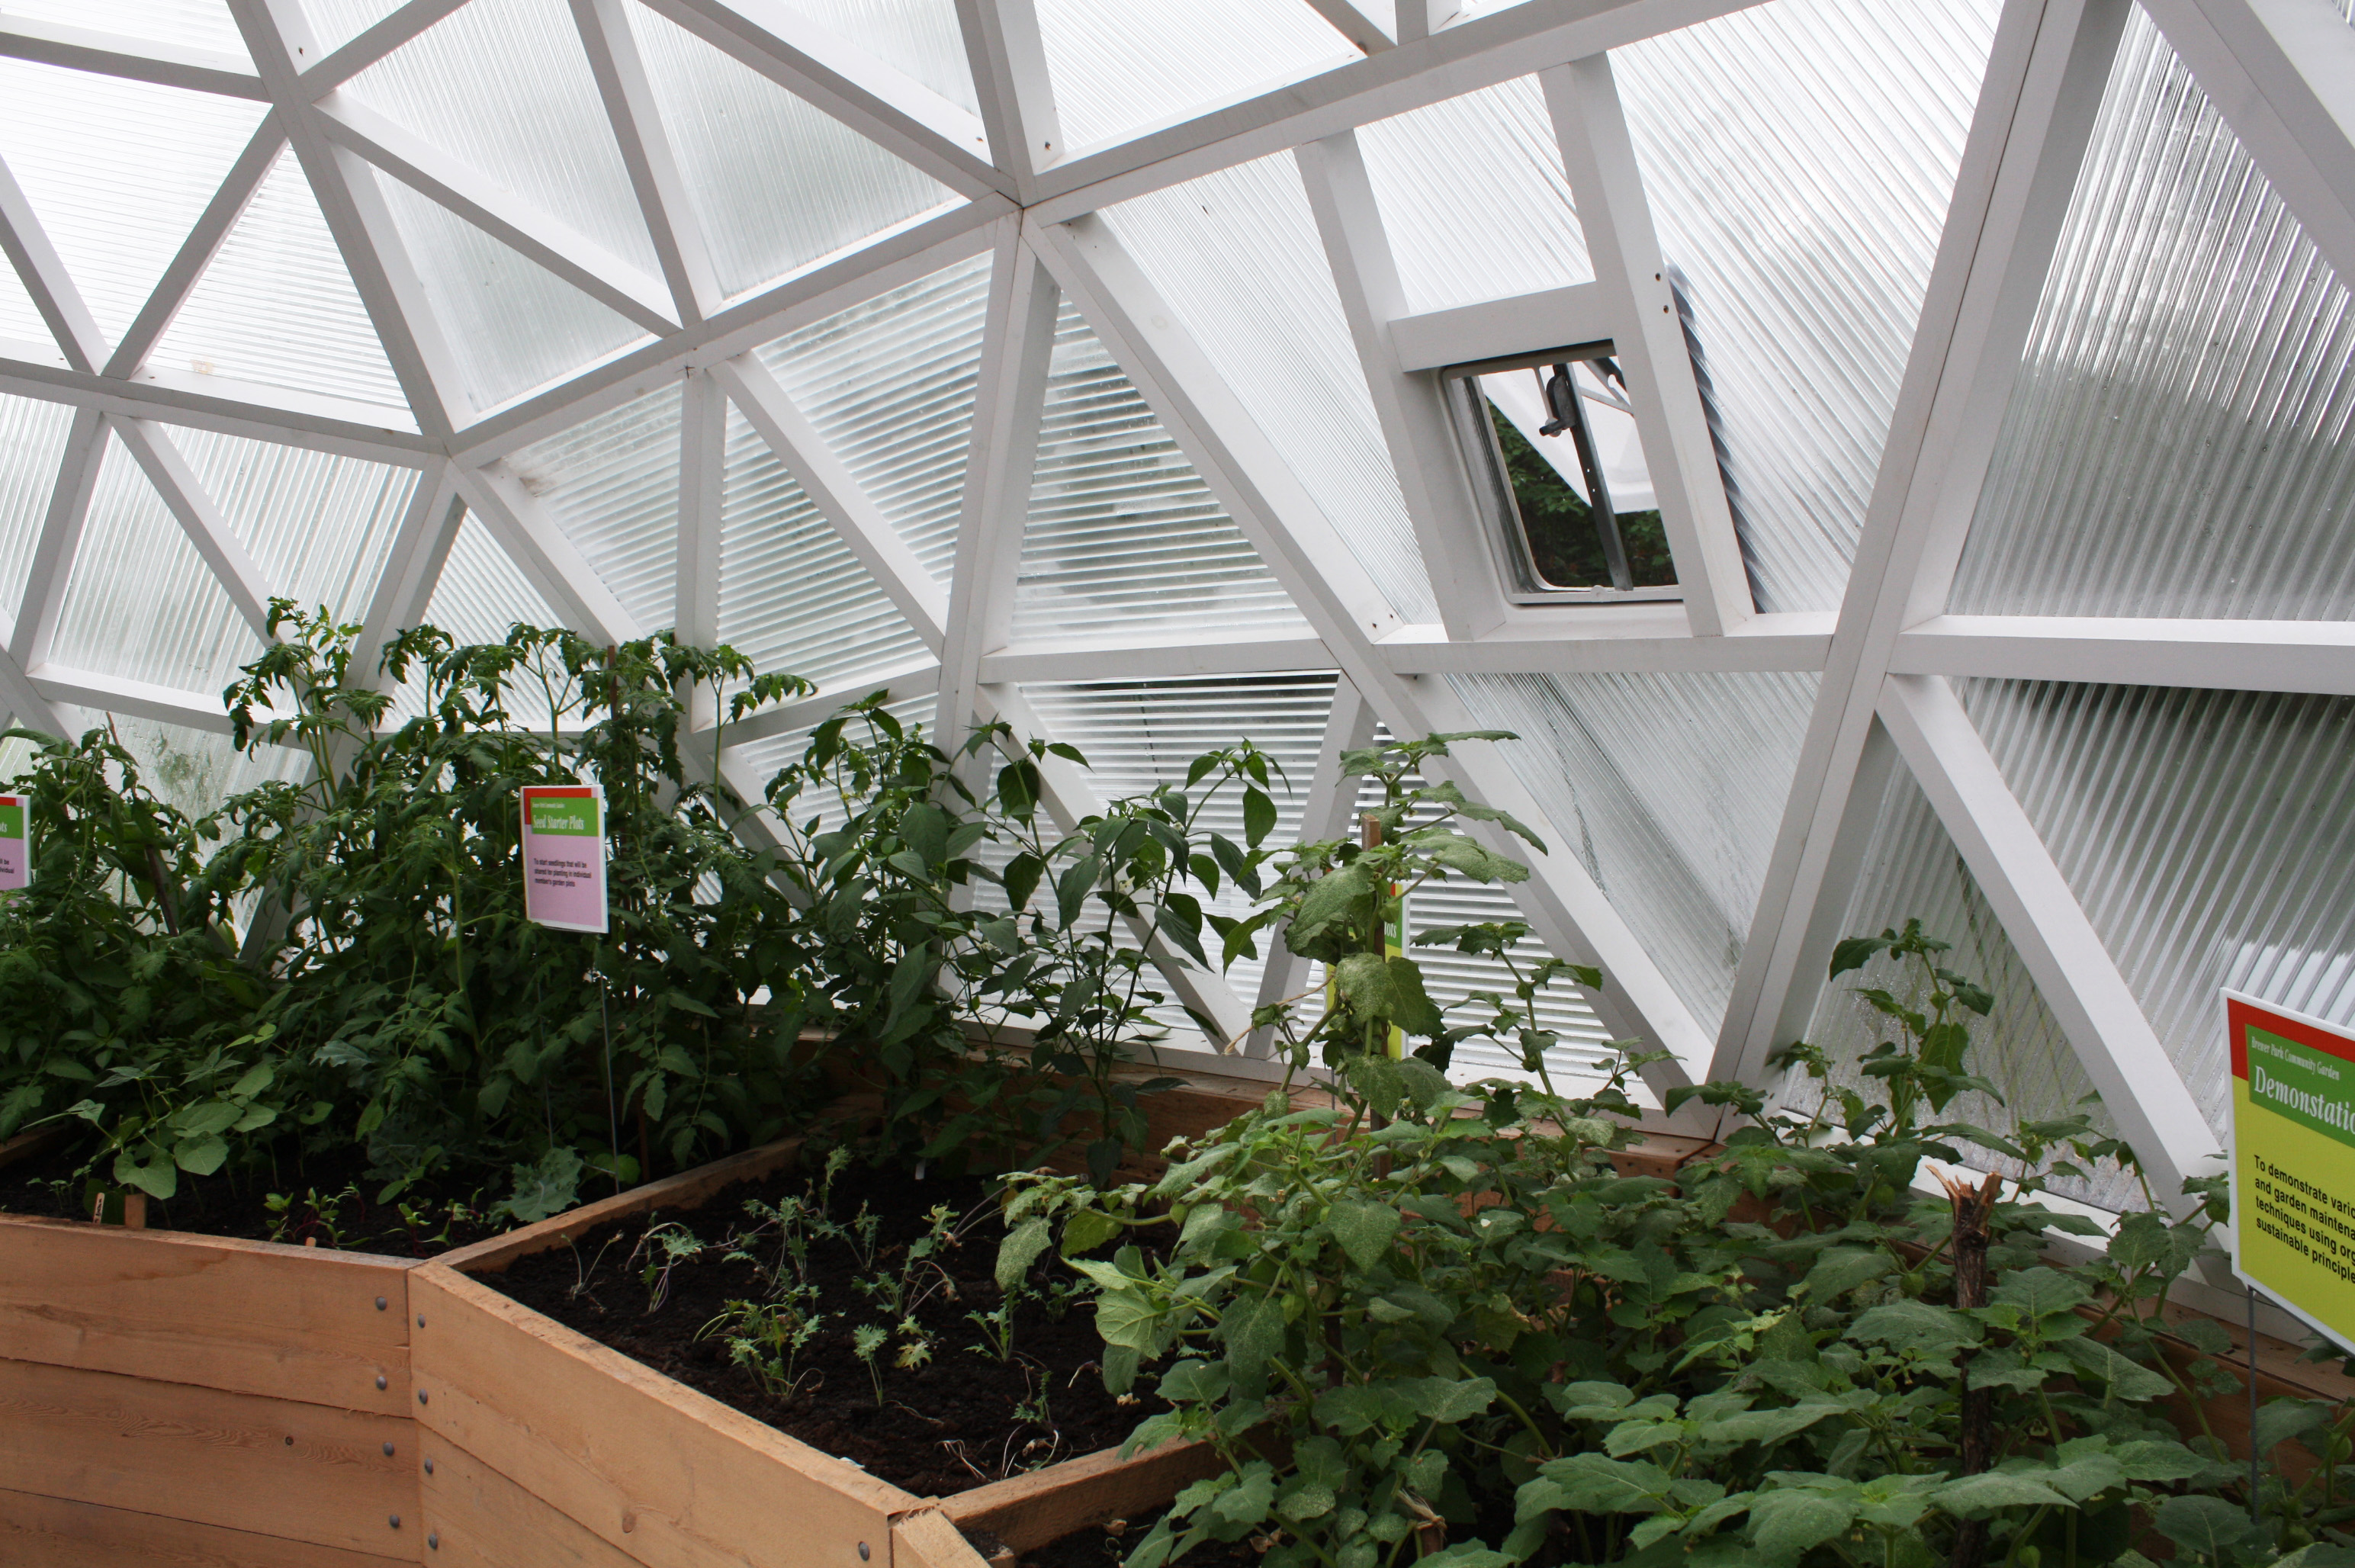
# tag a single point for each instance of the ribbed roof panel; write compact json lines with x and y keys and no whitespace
{"x":32,"y":441}
{"x":612,"y":484}
{"x":316,"y":525}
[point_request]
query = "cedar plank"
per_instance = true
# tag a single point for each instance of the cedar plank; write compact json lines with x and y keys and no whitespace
{"x":481,"y":1520}
{"x":663,"y":1472}
{"x":54,"y":1532}
{"x":1028,"y":1511}
{"x":236,"y":1461}
{"x":295,"y":1323}
{"x":926,"y":1538}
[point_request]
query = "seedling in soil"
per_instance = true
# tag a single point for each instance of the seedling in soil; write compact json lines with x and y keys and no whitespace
{"x":664,"y":1247}
{"x":866,"y":1341}
{"x":915,"y":1345}
{"x":997,"y":1328}
{"x":767,"y":1337}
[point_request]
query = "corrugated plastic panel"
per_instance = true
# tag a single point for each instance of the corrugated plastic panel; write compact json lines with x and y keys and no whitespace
{"x":1123,"y":537}
{"x":1122,"y":65}
{"x":140,"y":605}
{"x":117,"y":171}
{"x":32,"y":440}
{"x":1236,"y":255}
{"x":278,"y":308}
{"x":1473,"y":198}
{"x":337,"y":22}
{"x":753,"y":764}
{"x":1799,"y":158}
{"x":192,"y":24}
{"x":316,"y":524}
{"x":479,"y":596}
{"x":18,"y":318}
{"x":889,"y":384}
{"x":1137,"y":735}
{"x":2181,"y":439}
{"x":2206,"y":834}
{"x":1576,"y":1062}
{"x":1670,"y":789}
{"x":194,"y":770}
{"x":505,"y":86}
{"x":777,"y":183}
{"x":793,"y":599}
{"x":1913,"y":870}
{"x":919,"y":38}
{"x":511,"y":325}
{"x":612,"y":484}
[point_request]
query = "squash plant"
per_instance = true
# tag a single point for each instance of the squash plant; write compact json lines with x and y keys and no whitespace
{"x":1426,"y":1321}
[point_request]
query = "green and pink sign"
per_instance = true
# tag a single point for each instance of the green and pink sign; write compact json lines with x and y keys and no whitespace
{"x":15,"y":861}
{"x":564,"y":855}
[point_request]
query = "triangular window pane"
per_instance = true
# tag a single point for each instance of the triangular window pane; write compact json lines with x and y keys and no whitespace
{"x":777,"y":184}
{"x":140,"y":605}
{"x":337,"y":22}
{"x":920,"y":38}
{"x":317,"y":525}
{"x":505,"y":85}
{"x":1120,"y":66}
{"x":1912,"y":870}
{"x":793,"y":599}
{"x":890,"y":386}
{"x":191,"y":23}
{"x":32,"y":440}
{"x":612,"y":484}
{"x":1124,"y":541}
{"x":512,"y":325}
{"x":2178,"y":442}
{"x":277,"y":308}
{"x":480,"y":594}
{"x":117,"y":171}
{"x":1669,"y":788}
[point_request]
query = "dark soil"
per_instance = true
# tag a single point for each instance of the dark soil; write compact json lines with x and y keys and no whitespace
{"x":963,"y":1418}
{"x":1103,"y":1545}
{"x":325,"y":1199}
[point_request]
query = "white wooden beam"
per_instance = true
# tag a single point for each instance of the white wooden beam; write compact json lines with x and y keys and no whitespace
{"x":2080,"y":982}
{"x":1326,"y":809}
{"x":229,"y":201}
{"x":1480,"y":53}
{"x":1353,"y":22}
{"x":504,"y":215}
{"x":277,"y":36}
{"x":1010,"y":80}
{"x":1418,"y":19}
{"x":2046,"y":71}
{"x":168,"y":470}
{"x":412,"y":567}
{"x":23,"y":701}
{"x":47,"y":574}
{"x":2236,"y":656}
{"x":838,"y":496}
{"x":217,"y":403}
{"x":1844,"y":863}
{"x":1574,"y":316}
{"x":1600,"y":158}
{"x":45,"y":277}
{"x":1017,"y":343}
{"x":541,"y":551}
{"x":1410,"y":408}
{"x":648,"y":153}
{"x":702,"y":485}
{"x":113,"y":694}
{"x":897,"y":683}
{"x":1167,"y":658}
{"x":2282,"y":73}
{"x":1603,"y":637}
{"x":915,"y":250}
{"x":942,"y":139}
{"x":374,"y":42}
{"x":141,"y":60}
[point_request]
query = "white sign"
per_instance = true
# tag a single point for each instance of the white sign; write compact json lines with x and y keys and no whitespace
{"x":564,"y":855}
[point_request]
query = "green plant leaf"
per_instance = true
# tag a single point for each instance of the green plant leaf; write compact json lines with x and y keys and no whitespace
{"x":1786,"y":1522}
{"x":200,"y":1155}
{"x":2207,"y":1525}
{"x":1020,"y":1249}
{"x":1364,"y":1230}
{"x":1088,"y":1230}
{"x":2125,"y":1379}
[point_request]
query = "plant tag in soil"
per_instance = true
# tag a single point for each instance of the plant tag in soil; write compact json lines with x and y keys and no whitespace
{"x":564,"y":855}
{"x":15,"y":865}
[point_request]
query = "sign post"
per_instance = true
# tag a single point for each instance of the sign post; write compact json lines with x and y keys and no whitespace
{"x":15,"y":845}
{"x":2294,"y":1161}
{"x":564,"y":855}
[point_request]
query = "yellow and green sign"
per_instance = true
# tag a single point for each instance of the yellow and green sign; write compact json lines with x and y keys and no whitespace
{"x":2294,"y":1161}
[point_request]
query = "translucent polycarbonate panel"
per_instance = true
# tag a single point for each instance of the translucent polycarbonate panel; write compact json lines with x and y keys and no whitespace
{"x":194,"y":770}
{"x":2181,"y":438}
{"x":918,"y":37}
{"x":191,"y":23}
{"x":612,"y":484}
{"x":511,"y":325}
{"x":505,"y":86}
{"x":117,"y":172}
{"x":336,"y":22}
{"x":482,"y":592}
{"x":1120,"y":67}
{"x":751,"y":764}
{"x":793,"y":599}
{"x":20,"y":318}
{"x":1474,"y":198}
{"x":32,"y":441}
{"x":1138,"y":735}
{"x":1799,"y":158}
{"x":139,"y":603}
{"x":1454,"y":978}
{"x":777,"y":183}
{"x":277,"y":308}
{"x":890,"y":386}
{"x":1668,"y":789}
{"x":1236,"y":255}
{"x":1123,"y":537}
{"x":2205,"y":834}
{"x":1912,"y":871}
{"x":316,"y":525}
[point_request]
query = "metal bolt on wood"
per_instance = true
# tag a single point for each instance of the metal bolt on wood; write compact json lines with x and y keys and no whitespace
{"x":434,"y":1540}
{"x":396,"y":1521}
{"x":429,"y":1466}
{"x":388,"y":1450}
{"x":420,"y":1396}
{"x":380,"y":1303}
{"x":382,"y":1382}
{"x":862,"y":1551}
